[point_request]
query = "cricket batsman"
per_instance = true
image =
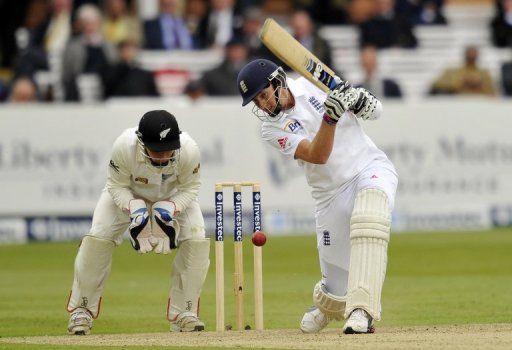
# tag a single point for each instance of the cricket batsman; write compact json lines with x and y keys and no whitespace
{"x":352,"y":182}
{"x":152,"y":190}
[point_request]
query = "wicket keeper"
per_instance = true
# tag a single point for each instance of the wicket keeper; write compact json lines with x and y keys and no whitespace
{"x":152,"y":190}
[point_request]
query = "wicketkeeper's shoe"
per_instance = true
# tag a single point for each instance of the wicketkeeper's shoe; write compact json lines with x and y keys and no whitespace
{"x":314,"y":321}
{"x":187,"y":322}
{"x":359,"y":322}
{"x":80,"y":322}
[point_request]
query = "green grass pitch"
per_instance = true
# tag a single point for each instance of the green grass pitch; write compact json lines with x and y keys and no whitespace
{"x":432,"y":279}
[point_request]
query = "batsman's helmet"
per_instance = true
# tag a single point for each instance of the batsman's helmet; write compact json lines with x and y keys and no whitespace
{"x":254,"y":77}
{"x":158,"y":130}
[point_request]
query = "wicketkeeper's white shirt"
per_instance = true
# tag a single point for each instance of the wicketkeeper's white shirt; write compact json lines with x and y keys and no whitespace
{"x":352,"y":151}
{"x":130,"y":175}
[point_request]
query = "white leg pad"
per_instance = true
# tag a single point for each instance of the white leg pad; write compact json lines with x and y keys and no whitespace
{"x":92,"y":267}
{"x":330,"y":304}
{"x":369,"y":236}
{"x":187,"y":278}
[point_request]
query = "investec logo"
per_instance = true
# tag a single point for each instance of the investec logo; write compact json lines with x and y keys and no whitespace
{"x":219,"y":217}
{"x":257,"y":211}
{"x":238,"y":217}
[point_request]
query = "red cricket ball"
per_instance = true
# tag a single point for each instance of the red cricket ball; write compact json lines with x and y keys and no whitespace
{"x":259,"y":238}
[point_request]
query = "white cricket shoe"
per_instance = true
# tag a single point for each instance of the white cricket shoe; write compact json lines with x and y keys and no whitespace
{"x":314,"y":321}
{"x":187,"y":322}
{"x":359,"y":322}
{"x":80,"y":322}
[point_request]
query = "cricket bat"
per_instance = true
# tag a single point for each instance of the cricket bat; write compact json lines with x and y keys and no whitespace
{"x":296,"y":56}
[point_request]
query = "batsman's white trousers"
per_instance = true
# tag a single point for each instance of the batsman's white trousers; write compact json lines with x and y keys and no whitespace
{"x":333,"y":224}
{"x":109,"y":222}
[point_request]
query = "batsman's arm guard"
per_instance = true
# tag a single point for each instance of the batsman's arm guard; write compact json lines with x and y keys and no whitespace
{"x":369,"y":236}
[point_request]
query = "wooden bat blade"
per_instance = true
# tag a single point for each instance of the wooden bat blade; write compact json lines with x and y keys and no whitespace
{"x":296,"y":56}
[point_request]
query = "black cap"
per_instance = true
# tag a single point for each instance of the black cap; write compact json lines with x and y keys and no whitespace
{"x":159,"y":131}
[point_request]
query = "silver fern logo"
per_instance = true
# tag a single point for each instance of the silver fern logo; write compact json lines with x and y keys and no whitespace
{"x":164,"y":133}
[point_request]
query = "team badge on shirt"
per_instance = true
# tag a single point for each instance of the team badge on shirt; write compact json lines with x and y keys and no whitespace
{"x":283,"y":142}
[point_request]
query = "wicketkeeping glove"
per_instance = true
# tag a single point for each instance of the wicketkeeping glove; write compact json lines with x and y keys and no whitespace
{"x":163,"y":238}
{"x":338,"y":101}
{"x":140,"y":230}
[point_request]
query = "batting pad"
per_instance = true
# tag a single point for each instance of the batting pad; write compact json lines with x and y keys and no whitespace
{"x":369,"y":236}
{"x":92,"y":267}
{"x":330,"y":304}
{"x":187,"y":277}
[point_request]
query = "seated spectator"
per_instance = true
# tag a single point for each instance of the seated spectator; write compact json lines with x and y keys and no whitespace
{"x":194,"y":90}
{"x":118,"y":24}
{"x":126,"y":78}
{"x":168,"y":31}
{"x":501,"y":25}
{"x":430,"y":13}
{"x":468,"y":79}
{"x":23,"y":90}
{"x":85,"y":53}
{"x":251,"y":27}
{"x":55,"y":32}
{"x":387,"y":28}
{"x":196,"y":19}
{"x":221,"y":81}
{"x":303,"y":30}
{"x":373,"y":82}
{"x":506,"y":78}
{"x":222,"y":23}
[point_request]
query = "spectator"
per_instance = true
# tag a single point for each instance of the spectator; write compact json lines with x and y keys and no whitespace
{"x":221,"y":81}
{"x":303,"y":30}
{"x":430,"y":13}
{"x":196,"y":18}
{"x":118,"y":24}
{"x":194,"y":90}
{"x":466,"y":80}
{"x":168,"y":31}
{"x":126,"y":78}
{"x":251,"y":27}
{"x":506,"y":78}
{"x":23,"y":91}
{"x":501,"y":25}
{"x":55,"y":32}
{"x":222,"y":23}
{"x":85,"y":53}
{"x":373,"y":82}
{"x":387,"y":28}
{"x":326,"y":11}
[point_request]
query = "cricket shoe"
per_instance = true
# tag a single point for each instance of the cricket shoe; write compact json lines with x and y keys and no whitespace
{"x":359,"y":322}
{"x":187,"y":322}
{"x":314,"y":321}
{"x":80,"y":322}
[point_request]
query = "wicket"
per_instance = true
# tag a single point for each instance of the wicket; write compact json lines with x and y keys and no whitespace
{"x":238,"y":275}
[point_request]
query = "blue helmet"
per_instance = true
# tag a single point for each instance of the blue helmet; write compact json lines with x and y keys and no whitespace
{"x":254,"y":77}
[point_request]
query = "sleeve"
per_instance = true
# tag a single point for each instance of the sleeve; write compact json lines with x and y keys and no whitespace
{"x":119,"y":178}
{"x":285,"y":142}
{"x":189,"y":178}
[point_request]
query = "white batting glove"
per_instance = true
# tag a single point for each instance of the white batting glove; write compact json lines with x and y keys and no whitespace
{"x":163,"y":237}
{"x":140,"y":230}
{"x":338,"y":102}
{"x":367,"y":105}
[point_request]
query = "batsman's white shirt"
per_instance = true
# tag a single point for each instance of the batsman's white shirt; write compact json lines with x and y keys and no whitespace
{"x":355,"y":163}
{"x":130,"y":176}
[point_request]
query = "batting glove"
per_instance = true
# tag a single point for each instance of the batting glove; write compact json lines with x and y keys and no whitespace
{"x":367,"y":105}
{"x":338,"y":102}
{"x":163,"y":237}
{"x":140,"y":231}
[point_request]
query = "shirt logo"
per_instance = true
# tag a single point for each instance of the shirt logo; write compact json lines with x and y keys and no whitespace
{"x":142,"y":179}
{"x":196,"y":170}
{"x":243,"y":87}
{"x":114,"y":166}
{"x":283,"y":142}
{"x":316,"y":104}
{"x":164,"y":133}
{"x":292,"y":125}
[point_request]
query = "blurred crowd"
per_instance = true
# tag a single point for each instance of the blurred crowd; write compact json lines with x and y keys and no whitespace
{"x":80,"y":40}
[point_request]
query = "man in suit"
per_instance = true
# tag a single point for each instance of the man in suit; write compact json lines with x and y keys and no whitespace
{"x":168,"y":31}
{"x":373,"y":82}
